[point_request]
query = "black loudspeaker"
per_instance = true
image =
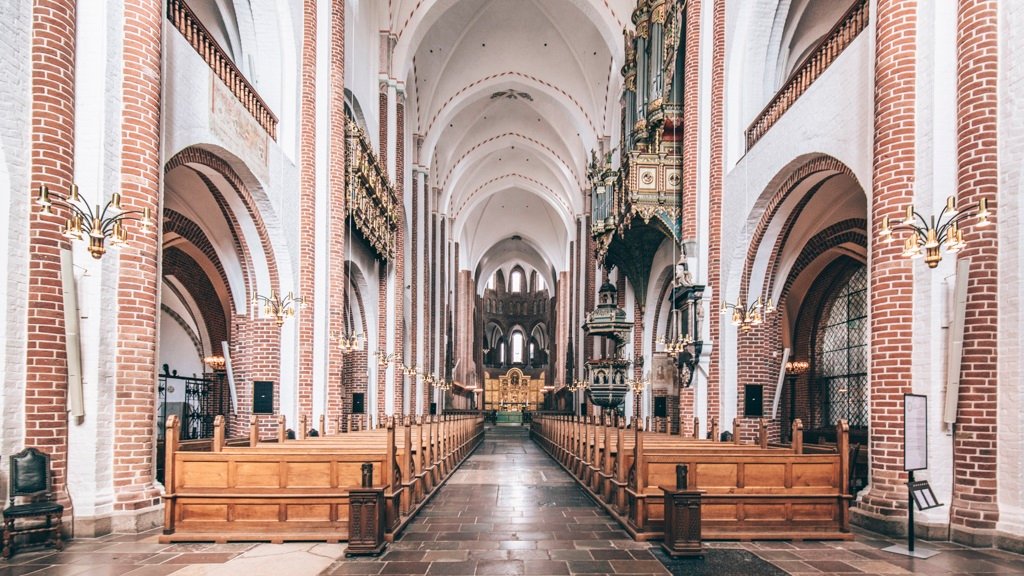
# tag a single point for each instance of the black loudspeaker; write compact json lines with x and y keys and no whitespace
{"x":583,"y":408}
{"x":357,"y":403}
{"x":660,"y":407}
{"x":753,"y":401}
{"x":262,"y":397}
{"x":433,"y":408}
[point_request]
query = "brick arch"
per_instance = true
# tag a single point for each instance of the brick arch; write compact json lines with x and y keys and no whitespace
{"x":853,"y":230}
{"x":785,"y":185}
{"x":815,"y":304}
{"x":755,"y":366}
{"x":201,"y":156}
{"x":177,"y":223}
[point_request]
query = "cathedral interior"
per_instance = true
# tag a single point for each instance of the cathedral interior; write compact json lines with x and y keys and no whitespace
{"x":617,"y":282}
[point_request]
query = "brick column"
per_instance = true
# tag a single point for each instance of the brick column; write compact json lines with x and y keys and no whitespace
{"x":690,"y":170}
{"x":717,"y":183}
{"x":975,"y":507}
{"x":307,"y":218}
{"x":399,"y":285}
{"x":414,"y":279}
{"x":138,"y":284}
{"x":430,"y":276}
{"x":338,"y":207}
{"x":891,"y":289}
{"x":52,"y":141}
{"x":382,"y":277}
{"x":691,"y":110}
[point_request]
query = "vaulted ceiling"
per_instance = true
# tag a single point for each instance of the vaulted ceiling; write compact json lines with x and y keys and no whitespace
{"x":510,"y":97}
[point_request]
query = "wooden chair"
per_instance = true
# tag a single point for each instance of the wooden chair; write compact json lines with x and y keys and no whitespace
{"x":30,"y":484}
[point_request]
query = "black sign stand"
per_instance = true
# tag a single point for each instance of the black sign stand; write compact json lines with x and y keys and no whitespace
{"x":915,"y":427}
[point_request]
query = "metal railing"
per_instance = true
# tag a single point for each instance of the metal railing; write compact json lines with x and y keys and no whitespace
{"x":186,"y":21}
{"x":853,"y":22}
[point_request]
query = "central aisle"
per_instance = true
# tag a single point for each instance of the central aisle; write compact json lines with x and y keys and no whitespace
{"x":510,"y":509}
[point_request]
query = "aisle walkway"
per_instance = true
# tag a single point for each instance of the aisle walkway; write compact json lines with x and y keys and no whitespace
{"x":510,"y":510}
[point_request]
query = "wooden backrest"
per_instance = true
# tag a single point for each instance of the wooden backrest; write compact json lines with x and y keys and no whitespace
{"x":30,"y":473}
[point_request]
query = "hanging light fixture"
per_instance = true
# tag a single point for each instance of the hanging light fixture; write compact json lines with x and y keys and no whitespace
{"x":797,"y":367}
{"x":386,"y":358}
{"x":277,"y":307}
{"x":748,"y":316}
{"x":929,"y":237}
{"x":96,"y":224}
{"x":215,"y":362}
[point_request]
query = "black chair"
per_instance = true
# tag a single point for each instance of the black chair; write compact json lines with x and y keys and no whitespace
{"x":30,"y":484}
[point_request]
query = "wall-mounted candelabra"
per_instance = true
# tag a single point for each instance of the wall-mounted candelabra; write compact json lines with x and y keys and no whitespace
{"x":94,"y":223}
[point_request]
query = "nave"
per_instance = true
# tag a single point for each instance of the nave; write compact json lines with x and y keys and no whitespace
{"x":510,"y":509}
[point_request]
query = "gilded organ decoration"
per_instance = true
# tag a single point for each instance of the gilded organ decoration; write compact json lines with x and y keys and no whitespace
{"x":636,"y":205}
{"x":372,"y":205}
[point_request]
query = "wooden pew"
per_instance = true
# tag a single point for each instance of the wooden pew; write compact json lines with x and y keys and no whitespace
{"x":751,"y":491}
{"x":250,"y":489}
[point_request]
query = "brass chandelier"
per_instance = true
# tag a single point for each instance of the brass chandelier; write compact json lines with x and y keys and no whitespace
{"x":748,"y":316}
{"x":98,"y":224}
{"x":929,"y":237}
{"x":277,"y":307}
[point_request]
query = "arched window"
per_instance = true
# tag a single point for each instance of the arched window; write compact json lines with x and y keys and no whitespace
{"x":516,"y":280}
{"x":518,"y":346}
{"x":490,"y":282}
{"x":842,"y":339}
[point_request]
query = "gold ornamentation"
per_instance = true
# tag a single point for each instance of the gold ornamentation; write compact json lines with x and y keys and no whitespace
{"x":372,"y":200}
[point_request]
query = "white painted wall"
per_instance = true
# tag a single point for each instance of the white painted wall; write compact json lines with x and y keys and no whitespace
{"x":833,"y":117}
{"x":15,"y":199}
{"x":1011,"y":263}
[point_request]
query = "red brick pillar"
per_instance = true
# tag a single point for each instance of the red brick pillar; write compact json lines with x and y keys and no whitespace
{"x":138,"y":284}
{"x":52,"y":141}
{"x":690,"y":171}
{"x":414,"y":278}
{"x":382,"y":278}
{"x":891,"y":275}
{"x":975,"y":507}
{"x":399,"y":285}
{"x":338,"y":206}
{"x":307,"y":218}
{"x":717,"y":183}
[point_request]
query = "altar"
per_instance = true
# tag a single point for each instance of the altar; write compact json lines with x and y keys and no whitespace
{"x":512,"y":393}
{"x":513,"y":417}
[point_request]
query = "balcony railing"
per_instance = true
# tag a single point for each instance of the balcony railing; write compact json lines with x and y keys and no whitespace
{"x":186,"y":21}
{"x":373,"y":203}
{"x":824,"y":54}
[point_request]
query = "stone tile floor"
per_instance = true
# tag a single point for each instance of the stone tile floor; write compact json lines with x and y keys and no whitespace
{"x":509,"y":510}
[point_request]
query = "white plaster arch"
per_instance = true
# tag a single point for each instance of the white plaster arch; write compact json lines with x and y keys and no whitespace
{"x":484,"y":87}
{"x":474,"y":167}
{"x":506,"y":254}
{"x":570,"y":179}
{"x":267,"y":211}
{"x":412,"y":28}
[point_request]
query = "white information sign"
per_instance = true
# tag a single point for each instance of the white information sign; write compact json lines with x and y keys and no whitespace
{"x":915,"y":432}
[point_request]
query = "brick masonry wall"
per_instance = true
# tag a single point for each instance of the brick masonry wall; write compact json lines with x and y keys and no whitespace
{"x":138,"y":280}
{"x":691,"y":111}
{"x":52,"y":163}
{"x":890,"y":288}
{"x":307,"y":197}
{"x":382,"y":278}
{"x":192,"y":276}
{"x":975,"y":508}
{"x":717,"y":186}
{"x":338,"y":208}
{"x":255,"y":343}
{"x":414,"y":276}
{"x":399,"y":284}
